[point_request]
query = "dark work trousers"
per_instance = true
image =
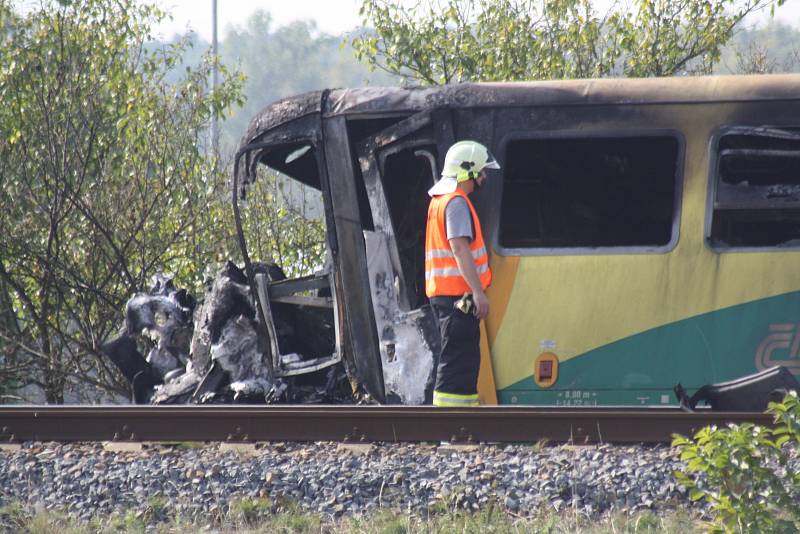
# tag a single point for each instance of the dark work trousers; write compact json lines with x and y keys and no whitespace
{"x":460,"y":359}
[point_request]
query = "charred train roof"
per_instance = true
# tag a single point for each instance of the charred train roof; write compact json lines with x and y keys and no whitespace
{"x":390,"y":100}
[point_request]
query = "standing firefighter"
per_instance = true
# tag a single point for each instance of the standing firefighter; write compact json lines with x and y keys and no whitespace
{"x":457,"y":272}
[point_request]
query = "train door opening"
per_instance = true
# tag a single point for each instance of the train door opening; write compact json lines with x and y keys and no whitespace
{"x":407,"y":174}
{"x":398,"y":165}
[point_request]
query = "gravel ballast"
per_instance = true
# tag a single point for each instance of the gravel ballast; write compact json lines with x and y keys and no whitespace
{"x":89,"y":481}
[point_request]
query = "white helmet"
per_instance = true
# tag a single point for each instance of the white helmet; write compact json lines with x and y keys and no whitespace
{"x":466,"y":159}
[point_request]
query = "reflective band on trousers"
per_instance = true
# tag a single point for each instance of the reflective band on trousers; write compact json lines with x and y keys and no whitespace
{"x":453,"y":271}
{"x":454,"y":400}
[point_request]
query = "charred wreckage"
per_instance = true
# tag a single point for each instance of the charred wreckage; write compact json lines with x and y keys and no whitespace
{"x":214,"y":352}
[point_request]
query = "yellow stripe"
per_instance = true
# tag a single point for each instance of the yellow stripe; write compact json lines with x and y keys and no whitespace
{"x":449,"y":404}
{"x":487,"y":390}
{"x":504,"y":273}
{"x":454,"y":399}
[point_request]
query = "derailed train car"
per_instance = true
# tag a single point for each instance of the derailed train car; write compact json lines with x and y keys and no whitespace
{"x":641,"y":232}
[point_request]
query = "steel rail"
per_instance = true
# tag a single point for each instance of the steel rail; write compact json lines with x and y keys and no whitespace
{"x":356,"y":423}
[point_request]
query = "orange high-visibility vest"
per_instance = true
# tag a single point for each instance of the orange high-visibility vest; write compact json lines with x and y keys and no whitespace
{"x":442,"y":276}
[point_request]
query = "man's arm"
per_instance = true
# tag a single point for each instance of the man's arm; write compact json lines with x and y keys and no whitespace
{"x":460,"y":248}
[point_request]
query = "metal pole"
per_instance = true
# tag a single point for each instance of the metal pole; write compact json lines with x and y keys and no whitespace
{"x":214,"y":78}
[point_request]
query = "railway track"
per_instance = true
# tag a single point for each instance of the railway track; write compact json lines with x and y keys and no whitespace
{"x":243,"y":424}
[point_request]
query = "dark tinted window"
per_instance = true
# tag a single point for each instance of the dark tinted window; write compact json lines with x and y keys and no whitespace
{"x":589,"y":192}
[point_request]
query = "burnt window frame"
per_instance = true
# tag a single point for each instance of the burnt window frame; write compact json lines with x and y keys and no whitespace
{"x":680,"y":168}
{"x":711,"y":194}
{"x":254,"y":157}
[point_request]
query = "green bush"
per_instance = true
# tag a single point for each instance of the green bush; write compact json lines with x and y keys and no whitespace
{"x":743,"y":472}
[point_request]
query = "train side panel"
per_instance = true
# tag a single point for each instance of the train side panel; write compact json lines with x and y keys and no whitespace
{"x":626,"y":325}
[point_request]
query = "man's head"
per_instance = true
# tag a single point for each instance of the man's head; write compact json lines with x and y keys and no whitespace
{"x":464,"y":167}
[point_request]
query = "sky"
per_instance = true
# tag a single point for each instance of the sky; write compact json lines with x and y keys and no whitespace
{"x":332,"y":16}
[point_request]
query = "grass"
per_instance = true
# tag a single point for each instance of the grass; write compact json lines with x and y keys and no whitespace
{"x":255,"y":516}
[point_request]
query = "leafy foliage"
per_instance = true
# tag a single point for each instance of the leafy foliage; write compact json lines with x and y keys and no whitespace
{"x":105,"y":179}
{"x":503,"y":40}
{"x":283,"y":223}
{"x":743,"y":472}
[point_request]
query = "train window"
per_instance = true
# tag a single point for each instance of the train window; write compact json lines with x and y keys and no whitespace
{"x":756,"y":193}
{"x":590,"y":193}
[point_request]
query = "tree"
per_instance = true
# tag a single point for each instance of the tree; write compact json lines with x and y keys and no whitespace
{"x":8,"y":324}
{"x":772,"y":48}
{"x":283,"y":223}
{"x":286,"y":60}
{"x":497,"y":40}
{"x":104,"y":181}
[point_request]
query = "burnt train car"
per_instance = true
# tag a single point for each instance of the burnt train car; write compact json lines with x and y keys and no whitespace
{"x":642,"y":232}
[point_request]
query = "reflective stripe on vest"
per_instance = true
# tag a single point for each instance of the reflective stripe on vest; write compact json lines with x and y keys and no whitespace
{"x":442,"y":275}
{"x":454,"y":400}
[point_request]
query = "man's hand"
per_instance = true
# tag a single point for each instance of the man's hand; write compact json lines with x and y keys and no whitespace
{"x":460,"y":248}
{"x":481,"y":305}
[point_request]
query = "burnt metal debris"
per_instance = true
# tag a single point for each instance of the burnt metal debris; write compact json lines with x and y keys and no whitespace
{"x":751,"y":393}
{"x":215,"y":351}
